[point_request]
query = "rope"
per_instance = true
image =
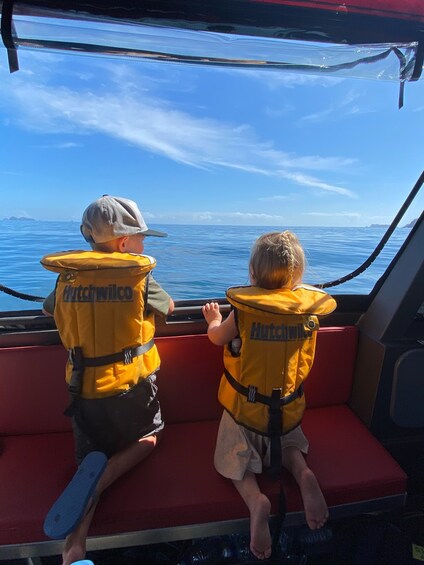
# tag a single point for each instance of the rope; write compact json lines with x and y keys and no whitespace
{"x":21,"y":295}
{"x":383,"y":241}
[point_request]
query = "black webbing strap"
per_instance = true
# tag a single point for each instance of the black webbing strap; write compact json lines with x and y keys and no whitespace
{"x":79,"y":363}
{"x":275,"y":426}
{"x":7,"y":35}
{"x":146,"y":293}
{"x":125,"y":356}
{"x":419,"y":60}
{"x":76,"y":358}
{"x":279,"y":520}
{"x":251,"y":393}
{"x":275,"y":430}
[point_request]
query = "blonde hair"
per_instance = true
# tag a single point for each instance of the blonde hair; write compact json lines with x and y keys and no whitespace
{"x":277,"y":260}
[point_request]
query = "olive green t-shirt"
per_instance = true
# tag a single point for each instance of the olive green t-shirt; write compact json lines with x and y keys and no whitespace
{"x":157,"y":299}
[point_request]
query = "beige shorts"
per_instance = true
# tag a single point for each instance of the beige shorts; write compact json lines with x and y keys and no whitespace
{"x":239,"y":450}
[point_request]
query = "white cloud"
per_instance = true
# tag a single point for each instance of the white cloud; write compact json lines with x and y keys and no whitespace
{"x":315,"y":183}
{"x":275,"y":198}
{"x":207,"y":217}
{"x":276,"y":79}
{"x":64,"y":145}
{"x":354,"y":215}
{"x":127,"y":112}
{"x":345,"y":108}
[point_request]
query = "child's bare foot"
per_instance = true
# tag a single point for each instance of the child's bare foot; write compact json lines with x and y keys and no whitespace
{"x":260,"y":536}
{"x":316,"y":509}
{"x":73,"y":550}
{"x":75,"y":543}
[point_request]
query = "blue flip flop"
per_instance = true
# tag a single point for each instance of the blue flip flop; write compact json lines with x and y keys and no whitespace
{"x":70,"y":508}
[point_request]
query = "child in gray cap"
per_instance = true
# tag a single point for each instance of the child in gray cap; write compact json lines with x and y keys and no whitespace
{"x":108,"y":293}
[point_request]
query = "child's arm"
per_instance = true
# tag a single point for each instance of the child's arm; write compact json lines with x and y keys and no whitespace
{"x":219,"y":332}
{"x":158,"y":299}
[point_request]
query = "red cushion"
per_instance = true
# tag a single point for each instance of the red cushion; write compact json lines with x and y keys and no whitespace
{"x":331,"y":376}
{"x":350,"y":463}
{"x":177,"y":484}
{"x":33,"y":471}
{"x":33,"y":393}
{"x":191,"y":368}
{"x":192,"y":365}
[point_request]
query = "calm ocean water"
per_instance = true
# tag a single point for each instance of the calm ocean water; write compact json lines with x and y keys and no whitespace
{"x":193,"y":261}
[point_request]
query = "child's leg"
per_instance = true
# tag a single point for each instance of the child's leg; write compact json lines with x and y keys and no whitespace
{"x":316,"y":509}
{"x":259,"y":508}
{"x":118,"y":464}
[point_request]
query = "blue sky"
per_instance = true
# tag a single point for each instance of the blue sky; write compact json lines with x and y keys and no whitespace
{"x":196,"y":144}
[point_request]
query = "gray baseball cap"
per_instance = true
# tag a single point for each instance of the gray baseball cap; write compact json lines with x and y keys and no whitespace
{"x":111,"y":217}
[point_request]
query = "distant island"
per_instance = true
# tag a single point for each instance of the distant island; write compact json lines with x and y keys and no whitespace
{"x":20,"y":218}
{"x":410,"y":225}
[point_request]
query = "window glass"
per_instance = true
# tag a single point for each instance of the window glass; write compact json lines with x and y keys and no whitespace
{"x":215,"y":156}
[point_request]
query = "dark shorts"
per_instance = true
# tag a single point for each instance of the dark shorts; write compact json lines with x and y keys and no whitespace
{"x":111,"y":424}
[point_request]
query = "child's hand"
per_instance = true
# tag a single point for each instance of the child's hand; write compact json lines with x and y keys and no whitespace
{"x":211,"y":312}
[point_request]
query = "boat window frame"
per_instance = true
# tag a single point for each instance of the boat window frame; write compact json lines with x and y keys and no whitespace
{"x":350,"y":305}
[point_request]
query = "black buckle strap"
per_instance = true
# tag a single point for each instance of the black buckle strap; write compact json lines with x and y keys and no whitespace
{"x":79,"y":363}
{"x":275,"y":424}
{"x":292,"y":396}
{"x":126,"y":356}
{"x":76,"y":358}
{"x":275,"y":430}
{"x":252,"y":394}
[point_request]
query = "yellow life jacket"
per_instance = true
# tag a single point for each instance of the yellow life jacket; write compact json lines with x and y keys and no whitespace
{"x":262,"y":384}
{"x":101,"y":318}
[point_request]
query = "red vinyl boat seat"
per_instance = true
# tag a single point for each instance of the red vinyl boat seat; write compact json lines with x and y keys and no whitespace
{"x":176,"y":492}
